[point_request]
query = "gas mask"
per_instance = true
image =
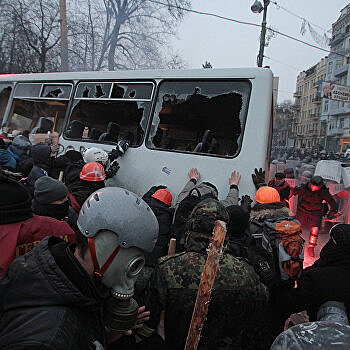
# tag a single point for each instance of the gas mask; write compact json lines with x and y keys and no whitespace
{"x":118,"y":269}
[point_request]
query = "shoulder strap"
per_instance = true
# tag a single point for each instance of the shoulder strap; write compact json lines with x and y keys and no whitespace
{"x":195,"y":189}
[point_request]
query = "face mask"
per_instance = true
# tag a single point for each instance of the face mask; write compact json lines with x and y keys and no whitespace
{"x":118,"y":268}
{"x":57,"y":211}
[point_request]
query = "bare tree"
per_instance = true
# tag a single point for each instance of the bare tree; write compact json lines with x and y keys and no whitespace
{"x":121,"y":34}
{"x":37,"y":25}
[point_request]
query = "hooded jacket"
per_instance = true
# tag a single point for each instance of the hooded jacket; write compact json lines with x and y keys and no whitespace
{"x":42,"y":165}
{"x":311,"y":201}
{"x":204,"y":188}
{"x":326,"y":280}
{"x":7,"y":161}
{"x":19,"y":238}
{"x":49,"y":302}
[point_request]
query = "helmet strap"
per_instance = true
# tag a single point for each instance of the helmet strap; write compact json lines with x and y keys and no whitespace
{"x":99,"y":272}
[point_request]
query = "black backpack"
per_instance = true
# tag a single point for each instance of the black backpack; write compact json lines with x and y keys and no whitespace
{"x":276,"y":250}
{"x":182,"y":214}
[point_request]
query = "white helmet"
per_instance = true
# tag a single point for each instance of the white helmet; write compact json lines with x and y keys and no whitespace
{"x":95,"y":154}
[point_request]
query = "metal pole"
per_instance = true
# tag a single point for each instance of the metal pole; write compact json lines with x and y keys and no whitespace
{"x":263,"y":34}
{"x":64,"y":39}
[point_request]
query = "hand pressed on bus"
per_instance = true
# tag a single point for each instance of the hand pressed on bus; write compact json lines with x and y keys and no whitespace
{"x":194,"y":174}
{"x":235,"y":178}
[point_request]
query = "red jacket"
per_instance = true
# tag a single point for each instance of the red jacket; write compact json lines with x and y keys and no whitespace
{"x":19,"y":238}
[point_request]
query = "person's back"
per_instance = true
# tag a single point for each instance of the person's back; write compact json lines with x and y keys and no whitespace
{"x":327,"y":279}
{"x":20,"y":230}
{"x":237,"y":291}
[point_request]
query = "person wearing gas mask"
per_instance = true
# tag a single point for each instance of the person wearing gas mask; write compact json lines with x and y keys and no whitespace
{"x":311,"y":208}
{"x":79,"y":296}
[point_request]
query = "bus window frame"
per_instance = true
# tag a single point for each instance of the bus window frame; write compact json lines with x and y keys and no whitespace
{"x":248,"y":80}
{"x":41,"y":90}
{"x":14,"y":83}
{"x":109,"y":98}
{"x":74,"y":98}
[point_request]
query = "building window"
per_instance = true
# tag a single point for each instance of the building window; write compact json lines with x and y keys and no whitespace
{"x":326,"y":102}
{"x":330,"y":68}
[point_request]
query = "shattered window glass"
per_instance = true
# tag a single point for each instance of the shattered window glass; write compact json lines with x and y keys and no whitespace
{"x":204,"y":116}
{"x":56,"y":91}
{"x":93,"y":90}
{"x":122,"y":114}
{"x":138,"y":91}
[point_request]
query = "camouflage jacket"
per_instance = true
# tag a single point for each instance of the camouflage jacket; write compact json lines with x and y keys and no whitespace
{"x":237,"y":293}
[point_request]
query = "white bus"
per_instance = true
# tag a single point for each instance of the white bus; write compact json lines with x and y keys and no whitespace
{"x":215,"y":120}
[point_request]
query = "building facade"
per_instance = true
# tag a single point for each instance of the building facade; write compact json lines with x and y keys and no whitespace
{"x":308,"y":130}
{"x":336,"y":114}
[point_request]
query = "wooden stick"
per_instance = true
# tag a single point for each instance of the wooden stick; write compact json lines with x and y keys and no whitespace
{"x":205,"y":287}
{"x":172,"y":246}
{"x":60,"y":177}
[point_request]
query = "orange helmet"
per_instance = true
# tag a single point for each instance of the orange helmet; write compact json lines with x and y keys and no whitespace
{"x":266,"y":195}
{"x":164,"y":196}
{"x":92,"y":171}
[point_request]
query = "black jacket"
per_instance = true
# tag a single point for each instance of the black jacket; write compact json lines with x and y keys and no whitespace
{"x":311,"y":201}
{"x":164,"y":215}
{"x":326,"y":280}
{"x":49,"y":301}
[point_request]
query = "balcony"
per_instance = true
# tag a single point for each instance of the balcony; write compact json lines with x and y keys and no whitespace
{"x":341,"y":70}
{"x":297,"y":107}
{"x":297,"y":94}
{"x":339,"y":111}
{"x":335,"y":131}
{"x":346,"y":133}
{"x":312,"y":133}
{"x":316,"y":100}
{"x":315,"y":116}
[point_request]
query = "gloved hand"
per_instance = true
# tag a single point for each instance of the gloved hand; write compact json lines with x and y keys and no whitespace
{"x":258,"y":177}
{"x":112,"y":170}
{"x":121,"y":148}
{"x":54,"y":148}
{"x":123,"y":145}
{"x":246,"y":202}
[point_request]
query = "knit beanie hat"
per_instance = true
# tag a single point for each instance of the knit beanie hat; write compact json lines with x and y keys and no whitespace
{"x":340,"y":233}
{"x":238,"y":221}
{"x":15,"y":201}
{"x":48,"y":190}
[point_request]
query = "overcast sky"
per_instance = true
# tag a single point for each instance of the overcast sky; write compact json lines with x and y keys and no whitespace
{"x":226,"y":44}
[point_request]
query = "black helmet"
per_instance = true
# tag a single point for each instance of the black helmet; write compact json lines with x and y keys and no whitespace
{"x":317,"y":181}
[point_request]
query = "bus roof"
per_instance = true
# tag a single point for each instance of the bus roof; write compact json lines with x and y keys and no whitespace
{"x":246,"y":73}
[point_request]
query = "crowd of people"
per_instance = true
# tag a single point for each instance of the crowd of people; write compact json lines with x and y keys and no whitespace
{"x":85,"y":266}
